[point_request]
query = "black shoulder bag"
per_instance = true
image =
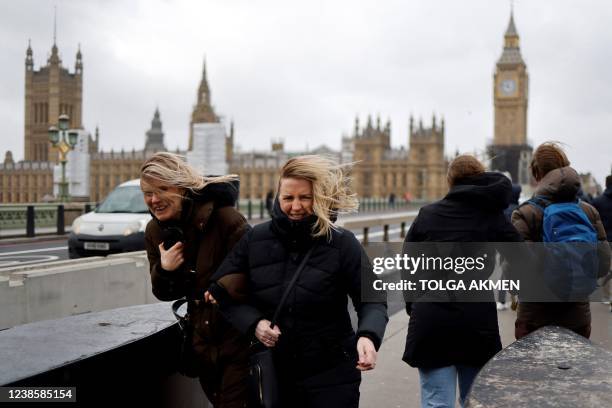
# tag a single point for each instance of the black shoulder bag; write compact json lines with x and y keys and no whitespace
{"x":262,"y":381}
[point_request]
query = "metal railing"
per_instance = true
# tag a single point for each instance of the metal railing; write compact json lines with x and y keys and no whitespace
{"x":367,"y":222}
{"x":30,"y":220}
{"x":34,"y":219}
{"x":256,"y":209}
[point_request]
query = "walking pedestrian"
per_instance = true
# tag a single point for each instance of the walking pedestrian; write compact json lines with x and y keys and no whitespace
{"x":557,"y":183}
{"x":603,"y":204}
{"x":450,"y":341}
{"x":516,"y":193}
{"x":318,"y":356}
{"x":194,"y":226}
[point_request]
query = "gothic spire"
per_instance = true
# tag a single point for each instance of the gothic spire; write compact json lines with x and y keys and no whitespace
{"x":203,"y":112}
{"x":204,"y":91}
{"x":54,"y":58}
{"x":511,"y":31}
{"x":78,"y":65}
{"x":155,"y":135}
{"x":29,"y":59}
{"x":54,"y":25}
{"x":511,"y":54}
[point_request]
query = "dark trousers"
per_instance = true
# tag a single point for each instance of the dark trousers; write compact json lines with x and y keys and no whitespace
{"x":223,"y":372}
{"x":336,"y":387}
{"x":229,"y":389}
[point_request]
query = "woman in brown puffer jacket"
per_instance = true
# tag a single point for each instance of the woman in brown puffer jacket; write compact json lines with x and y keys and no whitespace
{"x":196,"y":219}
{"x":557,"y":182}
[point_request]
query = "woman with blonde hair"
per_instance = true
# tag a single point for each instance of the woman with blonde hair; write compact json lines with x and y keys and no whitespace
{"x":318,"y":356}
{"x":193,"y":228}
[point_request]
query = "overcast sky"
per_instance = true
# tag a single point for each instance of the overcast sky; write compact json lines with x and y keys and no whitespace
{"x":302,"y":70}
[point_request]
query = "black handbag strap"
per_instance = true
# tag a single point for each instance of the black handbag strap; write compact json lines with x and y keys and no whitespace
{"x":176,"y":305}
{"x":182,"y":320}
{"x":290,"y":286}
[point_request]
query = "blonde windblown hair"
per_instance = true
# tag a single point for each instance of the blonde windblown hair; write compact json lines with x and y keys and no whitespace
{"x":172,"y":169}
{"x":331,"y":192}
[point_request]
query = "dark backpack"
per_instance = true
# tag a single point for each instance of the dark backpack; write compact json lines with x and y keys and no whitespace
{"x":570,"y":243}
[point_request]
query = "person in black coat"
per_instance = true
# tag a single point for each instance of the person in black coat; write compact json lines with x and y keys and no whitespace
{"x":514,"y":203}
{"x":450,"y":341}
{"x":318,"y":356}
{"x":603,"y":204}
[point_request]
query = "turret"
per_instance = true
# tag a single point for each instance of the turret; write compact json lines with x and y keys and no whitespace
{"x":29,"y":62}
{"x":78,"y":66}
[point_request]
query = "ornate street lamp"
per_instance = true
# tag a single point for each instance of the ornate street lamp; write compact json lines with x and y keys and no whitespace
{"x":64,"y":140}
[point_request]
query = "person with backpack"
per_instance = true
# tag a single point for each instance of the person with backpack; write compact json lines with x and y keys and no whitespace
{"x":195,"y":224}
{"x":553,"y":210}
{"x":603,"y":204}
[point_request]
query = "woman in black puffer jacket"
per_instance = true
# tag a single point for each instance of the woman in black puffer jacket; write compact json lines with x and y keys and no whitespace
{"x":449,"y":341}
{"x":319,"y":357}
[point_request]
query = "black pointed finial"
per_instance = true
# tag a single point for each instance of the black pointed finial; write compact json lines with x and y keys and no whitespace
{"x":54,"y":25}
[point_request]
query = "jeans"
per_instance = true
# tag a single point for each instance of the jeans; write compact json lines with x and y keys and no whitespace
{"x":439,"y":385}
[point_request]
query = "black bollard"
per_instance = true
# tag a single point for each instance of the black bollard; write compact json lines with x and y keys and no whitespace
{"x":261,"y":210}
{"x":30,"y":221}
{"x":61,"y":230}
{"x":250,"y":210}
{"x":87,"y":208}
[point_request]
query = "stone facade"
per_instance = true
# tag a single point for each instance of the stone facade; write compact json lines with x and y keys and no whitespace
{"x":25,"y":181}
{"x":418,"y":172}
{"x":378,"y":170}
{"x":259,"y":170}
{"x":50,"y":92}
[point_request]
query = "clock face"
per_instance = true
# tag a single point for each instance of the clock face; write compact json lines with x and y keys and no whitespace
{"x":508,"y":86}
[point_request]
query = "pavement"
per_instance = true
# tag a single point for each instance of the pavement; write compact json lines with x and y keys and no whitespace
{"x":394,"y":384}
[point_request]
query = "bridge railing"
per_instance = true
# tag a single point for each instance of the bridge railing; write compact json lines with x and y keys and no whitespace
{"x":29,"y":220}
{"x":385,"y":221}
{"x":34,"y":219}
{"x":256,"y":209}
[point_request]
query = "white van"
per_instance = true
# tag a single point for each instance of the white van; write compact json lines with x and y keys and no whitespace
{"x":116,"y":225}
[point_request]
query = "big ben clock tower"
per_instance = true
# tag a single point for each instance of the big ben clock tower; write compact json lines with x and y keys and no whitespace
{"x":510,"y":150}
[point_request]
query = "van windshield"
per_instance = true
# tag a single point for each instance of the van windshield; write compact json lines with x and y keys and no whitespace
{"x":127,"y":199}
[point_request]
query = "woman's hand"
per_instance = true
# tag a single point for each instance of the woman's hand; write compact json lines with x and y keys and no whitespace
{"x":367,"y":354}
{"x":172,"y":258}
{"x":208,"y":298}
{"x":266,"y":335}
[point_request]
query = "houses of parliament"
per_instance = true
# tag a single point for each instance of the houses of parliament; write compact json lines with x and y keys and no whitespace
{"x":415,"y":172}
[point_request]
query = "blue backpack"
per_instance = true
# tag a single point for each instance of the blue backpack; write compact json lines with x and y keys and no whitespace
{"x":570,"y":241}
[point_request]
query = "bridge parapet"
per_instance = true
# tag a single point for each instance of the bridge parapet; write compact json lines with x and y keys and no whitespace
{"x":551,"y":367}
{"x":114,"y":357}
{"x":63,"y":288}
